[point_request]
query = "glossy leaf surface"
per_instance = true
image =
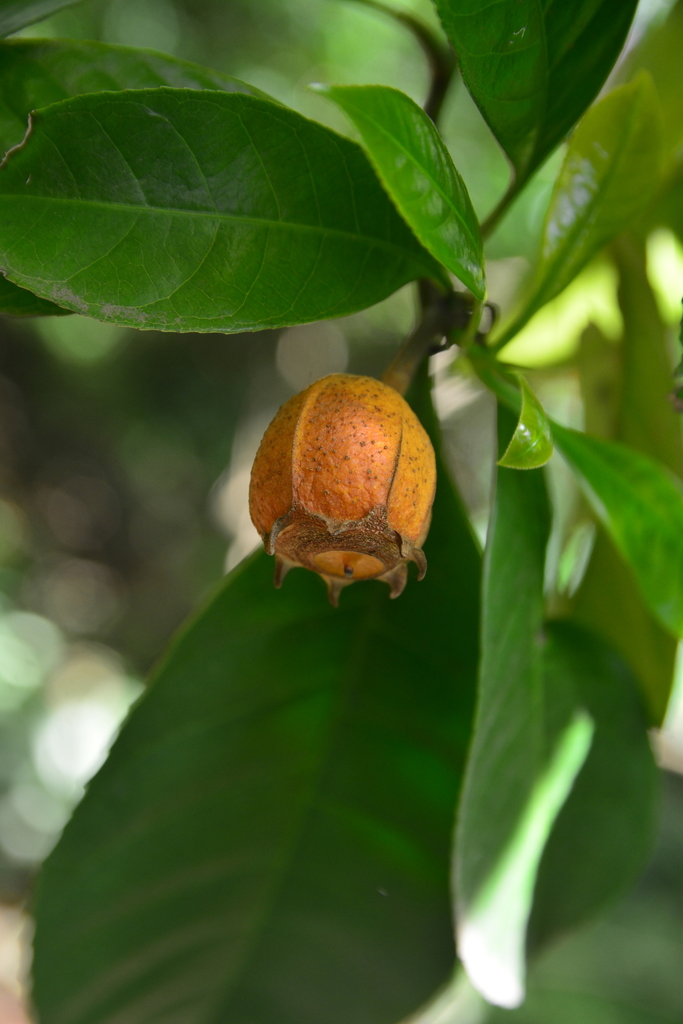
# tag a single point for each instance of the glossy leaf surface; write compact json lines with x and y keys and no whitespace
{"x":507,"y":748}
{"x":417,"y":171}
{"x":626,"y":390}
{"x":493,"y":933}
{"x":560,"y":729}
{"x":533,"y":67}
{"x":610,"y":174}
{"x":604,"y":832}
{"x":16,"y":14}
{"x":38,"y":72}
{"x":269,"y":838}
{"x":640,"y":504}
{"x":185,"y":210}
{"x":15,"y":301}
{"x":531,"y":445}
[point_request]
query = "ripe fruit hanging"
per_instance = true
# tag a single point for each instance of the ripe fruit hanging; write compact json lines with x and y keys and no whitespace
{"x":343,"y":484}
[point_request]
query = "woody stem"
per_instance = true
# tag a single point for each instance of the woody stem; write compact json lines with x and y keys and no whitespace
{"x":441,"y":315}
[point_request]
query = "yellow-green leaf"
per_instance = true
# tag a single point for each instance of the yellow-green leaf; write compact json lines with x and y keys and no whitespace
{"x":610,"y":173}
{"x":626,"y":388}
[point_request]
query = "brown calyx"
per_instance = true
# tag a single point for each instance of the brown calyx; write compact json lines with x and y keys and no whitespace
{"x":342,"y":551}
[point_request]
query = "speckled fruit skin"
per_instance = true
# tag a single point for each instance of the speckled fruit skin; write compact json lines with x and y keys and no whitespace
{"x":343,"y":484}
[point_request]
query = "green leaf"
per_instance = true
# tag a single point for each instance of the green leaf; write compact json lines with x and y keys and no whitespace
{"x":568,"y":1000}
{"x":492,"y":933}
{"x":531,"y":445}
{"x":647,"y":420}
{"x":640,"y":504}
{"x":610,"y":174}
{"x":609,"y":601}
{"x":16,"y":301}
{"x":417,"y":171}
{"x":508,"y":802}
{"x":182,"y":210}
{"x":269,"y":838}
{"x":538,"y":817}
{"x":599,"y":844}
{"x":456,"y":1002}
{"x":637,"y":500}
{"x":534,"y":66}
{"x":659,"y":54}
{"x":38,"y":72}
{"x":626,"y":390}
{"x":17,"y":14}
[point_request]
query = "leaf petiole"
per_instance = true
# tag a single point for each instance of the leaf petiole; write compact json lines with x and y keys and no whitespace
{"x":491,"y":222}
{"x":496,"y":377}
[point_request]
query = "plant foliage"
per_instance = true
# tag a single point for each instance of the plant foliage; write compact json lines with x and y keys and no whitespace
{"x":271,"y":838}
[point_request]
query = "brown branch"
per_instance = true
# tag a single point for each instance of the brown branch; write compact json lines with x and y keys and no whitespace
{"x":442,"y":316}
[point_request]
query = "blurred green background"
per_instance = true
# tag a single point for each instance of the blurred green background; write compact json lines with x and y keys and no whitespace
{"x":125,"y":458}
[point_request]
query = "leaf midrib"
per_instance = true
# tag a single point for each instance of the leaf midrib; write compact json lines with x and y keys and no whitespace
{"x":227,"y":218}
{"x":411,"y":156}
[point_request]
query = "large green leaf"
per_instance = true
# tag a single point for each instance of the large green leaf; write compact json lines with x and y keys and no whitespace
{"x":560,"y":731}
{"x":17,"y":14}
{"x":626,"y":969}
{"x":610,"y":174}
{"x":575,"y":1002}
{"x":38,"y":72}
{"x":417,"y":171}
{"x":515,"y":781}
{"x":184,"y":210}
{"x":637,"y":500}
{"x":626,"y":391}
{"x":610,"y":602}
{"x":534,"y":66}
{"x":640,"y":504}
{"x":509,"y":686}
{"x":269,"y":838}
{"x":604,"y":832}
{"x":19,"y":302}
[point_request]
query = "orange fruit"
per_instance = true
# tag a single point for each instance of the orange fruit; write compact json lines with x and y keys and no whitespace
{"x":343,"y":484}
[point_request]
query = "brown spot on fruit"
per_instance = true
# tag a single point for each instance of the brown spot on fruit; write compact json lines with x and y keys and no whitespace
{"x":371,"y":523}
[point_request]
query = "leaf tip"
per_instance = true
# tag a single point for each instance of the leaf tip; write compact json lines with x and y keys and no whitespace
{"x":531,"y":445}
{"x":497,"y":981}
